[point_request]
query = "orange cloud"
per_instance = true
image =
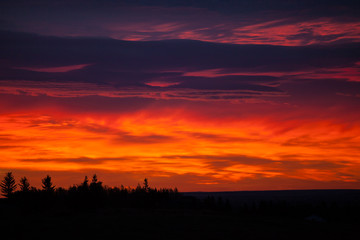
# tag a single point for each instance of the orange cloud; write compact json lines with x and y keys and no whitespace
{"x":180,"y":144}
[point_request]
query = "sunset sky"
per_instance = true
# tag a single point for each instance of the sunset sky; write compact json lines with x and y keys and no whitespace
{"x":202,"y":95}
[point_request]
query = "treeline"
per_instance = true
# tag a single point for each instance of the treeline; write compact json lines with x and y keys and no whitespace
{"x":93,"y":194}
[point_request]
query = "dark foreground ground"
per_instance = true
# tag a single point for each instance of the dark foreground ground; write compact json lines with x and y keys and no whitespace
{"x":253,"y":215}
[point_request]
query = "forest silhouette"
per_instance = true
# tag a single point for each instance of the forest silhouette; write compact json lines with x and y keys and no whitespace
{"x":91,"y":209}
{"x":92,"y":194}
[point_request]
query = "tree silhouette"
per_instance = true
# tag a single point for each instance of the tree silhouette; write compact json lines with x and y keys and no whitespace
{"x":95,"y":185}
{"x":85,"y":184}
{"x":94,"y":180}
{"x":8,"y":185}
{"x":138,"y":188}
{"x":47,"y":185}
{"x":24,"y":184}
{"x":146,"y":185}
{"x":89,"y":193}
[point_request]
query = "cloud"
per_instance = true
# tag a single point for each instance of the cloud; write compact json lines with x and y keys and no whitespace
{"x":166,"y":144}
{"x":181,"y":69}
{"x":235,"y":22}
{"x":350,"y":73}
{"x":161,"y":84}
{"x":9,"y":146}
{"x":60,"y":69}
{"x":81,"y":160}
{"x":125,"y":138}
{"x":163,"y":58}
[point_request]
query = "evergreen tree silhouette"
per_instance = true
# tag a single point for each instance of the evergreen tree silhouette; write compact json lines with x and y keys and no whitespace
{"x":47,"y":185}
{"x":146,"y":185}
{"x":94,"y":179}
{"x":95,"y":185}
{"x":8,"y":185}
{"x":24,"y":184}
{"x":86,"y":194}
{"x":85,"y":184}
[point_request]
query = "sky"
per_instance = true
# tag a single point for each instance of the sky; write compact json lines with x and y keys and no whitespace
{"x":200,"y":95}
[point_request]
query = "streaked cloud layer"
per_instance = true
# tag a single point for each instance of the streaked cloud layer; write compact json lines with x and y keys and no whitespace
{"x":204,"y":96}
{"x":294,"y":23}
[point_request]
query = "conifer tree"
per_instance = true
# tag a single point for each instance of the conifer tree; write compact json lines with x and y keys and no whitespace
{"x":85,"y":184}
{"x":47,"y":185}
{"x":146,"y":184}
{"x":95,"y":185}
{"x":8,"y":185}
{"x":24,"y":184}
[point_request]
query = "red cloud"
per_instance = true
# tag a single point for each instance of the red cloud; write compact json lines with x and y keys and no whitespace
{"x":60,"y":69}
{"x":161,"y":84}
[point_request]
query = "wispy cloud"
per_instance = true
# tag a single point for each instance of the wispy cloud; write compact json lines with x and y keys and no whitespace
{"x":235,"y":23}
{"x":60,"y":69}
{"x":181,"y":145}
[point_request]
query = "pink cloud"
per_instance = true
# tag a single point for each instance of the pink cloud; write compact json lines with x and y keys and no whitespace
{"x":161,"y":23}
{"x":162,"y":84}
{"x":221,"y":72}
{"x":286,"y":32}
{"x":351,"y":74}
{"x":54,"y":89}
{"x":60,"y":69}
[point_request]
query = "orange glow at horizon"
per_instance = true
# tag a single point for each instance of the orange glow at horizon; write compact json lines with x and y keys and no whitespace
{"x":180,"y":144}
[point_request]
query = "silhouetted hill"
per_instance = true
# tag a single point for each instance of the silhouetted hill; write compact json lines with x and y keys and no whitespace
{"x":339,"y":196}
{"x":305,"y":214}
{"x":91,"y":210}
